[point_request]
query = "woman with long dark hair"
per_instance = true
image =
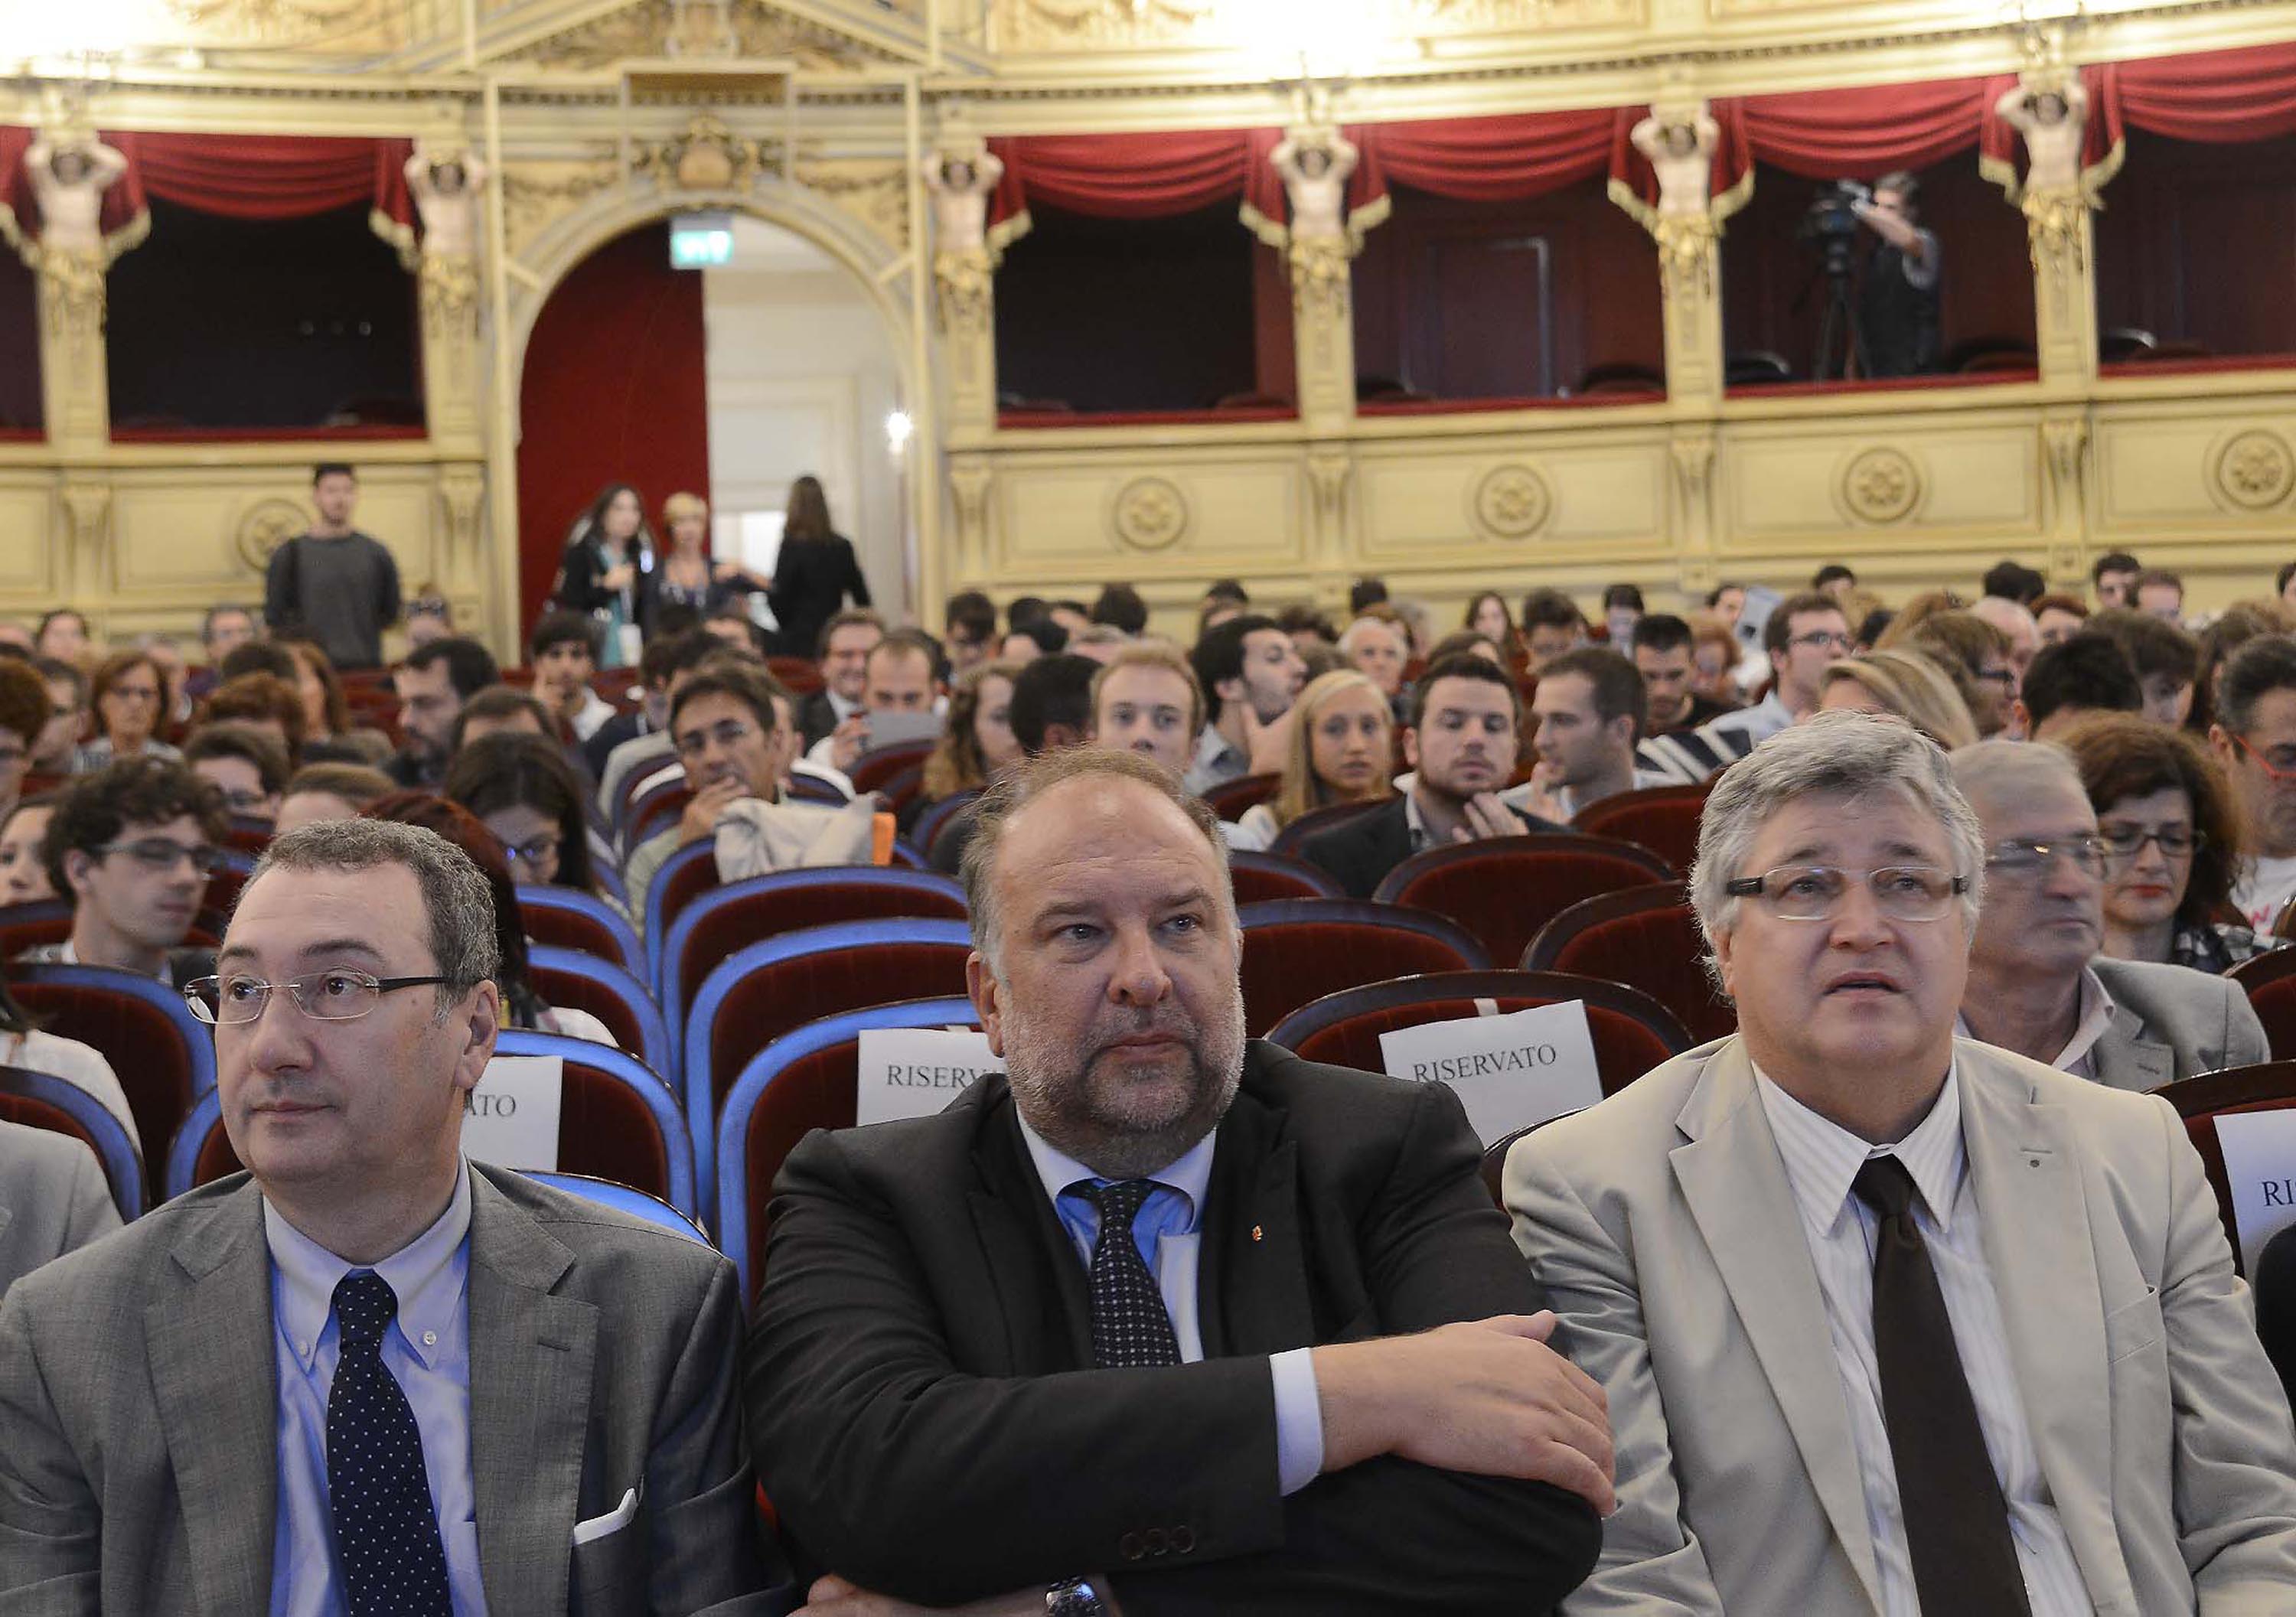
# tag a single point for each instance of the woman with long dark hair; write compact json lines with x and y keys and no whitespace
{"x":522,"y":789}
{"x":816,"y":572}
{"x":610,"y":571}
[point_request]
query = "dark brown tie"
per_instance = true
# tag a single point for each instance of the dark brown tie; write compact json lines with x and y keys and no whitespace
{"x":1957,"y":1522}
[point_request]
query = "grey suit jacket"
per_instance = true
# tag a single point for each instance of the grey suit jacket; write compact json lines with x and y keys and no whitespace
{"x":138,"y":1396}
{"x":2172,"y":1022}
{"x":1664,"y":1229}
{"x":52,"y":1199}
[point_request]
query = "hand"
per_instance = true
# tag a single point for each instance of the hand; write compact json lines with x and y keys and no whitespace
{"x":847,"y":741}
{"x":1487,"y":818}
{"x":617,"y":579}
{"x":1485,"y":1396}
{"x":1267,"y":745}
{"x":834,"y":1597}
{"x":725,"y":572}
{"x":699,"y":819}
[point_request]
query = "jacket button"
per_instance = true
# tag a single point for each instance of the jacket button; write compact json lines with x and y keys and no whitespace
{"x":1128,"y":1546}
{"x":1157,"y":1543}
{"x":1184,"y":1540}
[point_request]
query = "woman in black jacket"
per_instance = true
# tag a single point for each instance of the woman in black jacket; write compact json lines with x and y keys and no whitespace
{"x":816,"y":572}
{"x":610,"y":571}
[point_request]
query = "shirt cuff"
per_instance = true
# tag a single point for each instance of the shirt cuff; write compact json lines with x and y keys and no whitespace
{"x":1298,"y":1419}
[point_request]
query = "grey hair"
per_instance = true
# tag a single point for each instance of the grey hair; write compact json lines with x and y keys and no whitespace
{"x":1837,"y":754}
{"x":459,"y":904}
{"x":1030,"y":780}
{"x":1996,"y":769}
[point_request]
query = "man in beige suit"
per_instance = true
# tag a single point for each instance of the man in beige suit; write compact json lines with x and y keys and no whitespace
{"x":1893,"y":1322}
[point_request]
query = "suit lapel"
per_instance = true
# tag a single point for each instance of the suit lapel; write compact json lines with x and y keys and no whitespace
{"x":2028,"y":1179}
{"x":215,"y":1379}
{"x":1252,"y":1279}
{"x":1030,"y":1260}
{"x":2128,"y":1060}
{"x":532,"y":1354}
{"x":1736,"y":1184}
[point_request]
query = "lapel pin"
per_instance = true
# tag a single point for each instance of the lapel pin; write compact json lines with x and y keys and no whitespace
{"x":1255,"y":1232}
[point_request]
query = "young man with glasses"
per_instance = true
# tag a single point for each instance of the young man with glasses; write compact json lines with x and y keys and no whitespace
{"x":131,"y":846}
{"x":1890,"y":1321}
{"x":2037,"y":985}
{"x":2254,"y":736}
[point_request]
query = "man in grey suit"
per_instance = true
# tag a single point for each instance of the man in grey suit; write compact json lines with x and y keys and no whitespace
{"x":372,"y":1377}
{"x":2036,"y":985}
{"x":1893,"y":1322}
{"x":52,"y":1199}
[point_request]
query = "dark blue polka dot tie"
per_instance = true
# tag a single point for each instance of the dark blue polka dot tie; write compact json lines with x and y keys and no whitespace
{"x":1130,"y":1325}
{"x":386,"y":1531}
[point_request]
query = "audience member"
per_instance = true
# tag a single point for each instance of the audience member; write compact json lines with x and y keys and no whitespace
{"x":2239,"y":623}
{"x":690,"y":579}
{"x":270,"y":657}
{"x":1905,"y":683}
{"x":251,"y":1312}
{"x":1488,"y":615}
{"x":2014,"y":583}
{"x":329,"y":792}
{"x":1463,"y":643}
{"x":26,"y":1045}
{"x":1727,"y":602}
{"x":246,"y":765}
{"x":1805,"y":635}
{"x":430,"y":616}
{"x":1306,"y":1475}
{"x":1714,"y":654}
{"x":2113,"y":576}
{"x":24,"y":713}
{"x":329,"y":734}
{"x":1051,"y":711}
{"x":1588,"y":712}
{"x":976,"y":744}
{"x":610,"y":571}
{"x":1552,"y":625}
{"x":1147,"y":701}
{"x":1073,"y":616}
{"x":1661,"y":648}
{"x":15,"y":637}
{"x":1099,"y":641}
{"x":2161,"y":594}
{"x":332,"y":583}
{"x":1376,"y":649}
{"x":168,"y":657}
{"x":2166,"y":660}
{"x":2087,"y":674}
{"x":897,"y":692}
{"x":130,"y":846}
{"x":2057,"y":617}
{"x":968,"y":630}
{"x":1834,"y":581}
{"x":2020,"y":630}
{"x":23,"y":873}
{"x":1748,"y":1248}
{"x":842,"y":651}
{"x":1120,"y":606}
{"x":433,"y":683}
{"x":1461,"y":749}
{"x":1250,"y":674}
{"x":2254,"y":738}
{"x":1342,"y":751}
{"x":816,"y":572}
{"x":1310,"y":630}
{"x":52,"y":1199}
{"x":2164,"y":809}
{"x":564,"y":651}
{"x":1975,"y":656}
{"x":527,"y":794}
{"x":58,"y":747}
{"x":1034,"y":637}
{"x":126,"y":692}
{"x":502,"y":709}
{"x":1028,"y":609}
{"x":1622,"y":609}
{"x":640,"y":736}
{"x":62,"y":635}
{"x":1365,"y":593}
{"x":2036,"y":984}
{"x":262,"y":703}
{"x":733,"y":630}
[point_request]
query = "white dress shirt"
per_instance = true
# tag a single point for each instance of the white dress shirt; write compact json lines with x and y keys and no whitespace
{"x":2091,"y":1022}
{"x":1821,"y":1159}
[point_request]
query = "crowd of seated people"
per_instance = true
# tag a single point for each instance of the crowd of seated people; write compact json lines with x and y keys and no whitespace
{"x":1970,"y":870}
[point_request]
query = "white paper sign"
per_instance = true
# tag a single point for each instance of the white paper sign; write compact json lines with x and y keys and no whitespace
{"x":915,"y":1072}
{"x":2259,"y":1153}
{"x":1510,"y":1071}
{"x":511,"y":1118}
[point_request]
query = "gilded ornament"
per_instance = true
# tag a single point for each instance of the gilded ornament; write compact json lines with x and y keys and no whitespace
{"x":966,"y":281}
{"x":1319,"y":277}
{"x":1150,"y":513}
{"x":76,"y":293}
{"x":267,"y":525}
{"x":1513,"y":502}
{"x":687,"y":28}
{"x":1686,"y":254}
{"x":2255,"y":469}
{"x":1880,"y":485}
{"x":708,"y":156}
{"x":2053,"y":227}
{"x":450,"y":296}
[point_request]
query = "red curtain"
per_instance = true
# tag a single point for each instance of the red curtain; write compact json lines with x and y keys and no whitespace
{"x":1484,"y":159}
{"x":1137,"y":175}
{"x":2217,"y":96}
{"x":268,"y":177}
{"x":1861,"y":133}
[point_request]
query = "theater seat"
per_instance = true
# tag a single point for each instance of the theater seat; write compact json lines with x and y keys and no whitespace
{"x":41,"y":1100}
{"x":1313,"y":824}
{"x":25,"y":926}
{"x":1663,"y":820}
{"x":1259,"y":877}
{"x":876,"y":771}
{"x":622,"y":1199}
{"x":567,"y":918}
{"x":1506,"y":889}
{"x":2266,"y":1086}
{"x":1297,"y":950}
{"x":1631,"y":1031}
{"x":1646,"y":938}
{"x":577,"y":981}
{"x":654,"y":811}
{"x":2269,"y":982}
{"x":163,"y":1056}
{"x":929,"y":821}
{"x":802,"y":1081}
{"x":1230,"y":798}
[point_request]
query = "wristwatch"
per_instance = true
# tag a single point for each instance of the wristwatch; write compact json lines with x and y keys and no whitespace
{"x":1074,"y":1598}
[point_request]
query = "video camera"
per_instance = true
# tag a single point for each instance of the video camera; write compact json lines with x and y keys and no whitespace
{"x":1832,"y":214}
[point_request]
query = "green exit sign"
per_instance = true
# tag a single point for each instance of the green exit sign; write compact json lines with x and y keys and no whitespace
{"x":699,"y":241}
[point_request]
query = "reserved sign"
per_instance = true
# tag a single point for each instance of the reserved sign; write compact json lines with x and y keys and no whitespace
{"x":511,"y":1118}
{"x":2259,"y":1155}
{"x":915,"y":1072}
{"x":1509,"y":1071}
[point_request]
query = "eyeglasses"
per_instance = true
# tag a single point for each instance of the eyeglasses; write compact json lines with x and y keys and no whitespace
{"x":245,"y":799}
{"x":2176,"y":842}
{"x":161,"y":856}
{"x":2282,"y":774}
{"x":1813,"y":892}
{"x":1832,"y":642}
{"x":134,"y":693}
{"x":729,"y":733}
{"x":533,"y":850}
{"x":2007,"y":678}
{"x":322,"y":996}
{"x":2024,"y":859}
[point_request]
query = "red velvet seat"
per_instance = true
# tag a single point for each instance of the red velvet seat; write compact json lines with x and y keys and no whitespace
{"x":901,"y":790}
{"x":43,"y":1101}
{"x":1298,"y":950}
{"x":163,"y":1058}
{"x":1230,"y":798}
{"x":1504,"y":890}
{"x":2267,"y":1086}
{"x":1632,"y":1032}
{"x":1663,"y":820}
{"x":566,"y":918}
{"x":45,"y":921}
{"x":1313,"y":824}
{"x":655,"y":811}
{"x":800,"y":676}
{"x":2269,"y":982}
{"x":676,"y":885}
{"x":1258,"y":877}
{"x":1646,"y":938}
{"x":876,"y":771}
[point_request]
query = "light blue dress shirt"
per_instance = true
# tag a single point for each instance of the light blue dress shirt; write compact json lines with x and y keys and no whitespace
{"x":1170,"y":1233}
{"x":428,"y":1348}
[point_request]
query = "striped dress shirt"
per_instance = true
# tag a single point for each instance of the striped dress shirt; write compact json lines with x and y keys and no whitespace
{"x":1821,"y":1158}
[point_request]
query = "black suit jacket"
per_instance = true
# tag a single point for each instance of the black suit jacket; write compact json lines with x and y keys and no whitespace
{"x":815,"y":716}
{"x":2275,"y":1304}
{"x":1361,"y":852}
{"x":811,"y":579}
{"x":927,"y":1422}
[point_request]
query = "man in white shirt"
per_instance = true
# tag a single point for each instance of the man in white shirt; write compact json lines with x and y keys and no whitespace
{"x":2255,"y":740}
{"x":1892,"y":1322}
{"x":1250,"y":674}
{"x":2037,"y":984}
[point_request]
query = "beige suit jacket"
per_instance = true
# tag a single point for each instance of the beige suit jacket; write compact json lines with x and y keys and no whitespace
{"x":1665,"y":1231}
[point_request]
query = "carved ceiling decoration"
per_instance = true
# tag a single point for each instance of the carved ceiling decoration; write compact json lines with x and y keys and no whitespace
{"x":356,"y":27}
{"x":1090,"y":25}
{"x":536,"y":196}
{"x":662,"y":28}
{"x":875,"y":194}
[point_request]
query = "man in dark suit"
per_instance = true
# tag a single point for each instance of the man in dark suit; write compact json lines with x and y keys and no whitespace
{"x":843,"y":651}
{"x":1462,"y":750}
{"x":1132,"y":1327}
{"x":368,"y":1376}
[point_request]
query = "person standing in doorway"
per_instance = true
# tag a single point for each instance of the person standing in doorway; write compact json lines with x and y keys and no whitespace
{"x":817,"y":573}
{"x":332,"y":584}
